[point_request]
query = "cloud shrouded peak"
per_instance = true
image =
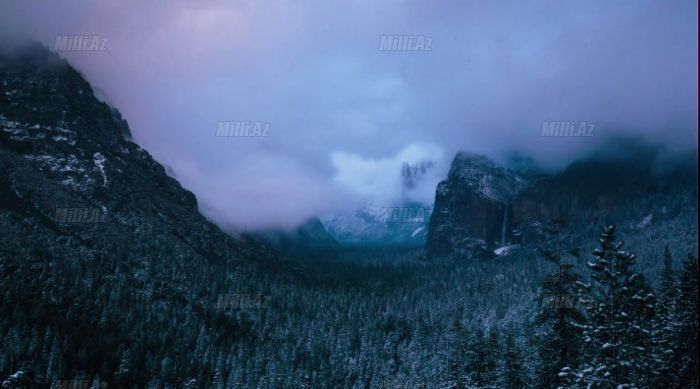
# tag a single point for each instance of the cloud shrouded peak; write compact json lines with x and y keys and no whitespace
{"x":343,"y":116}
{"x":389,"y":181}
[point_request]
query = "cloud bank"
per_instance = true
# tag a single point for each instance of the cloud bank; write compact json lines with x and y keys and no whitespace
{"x":343,"y":115}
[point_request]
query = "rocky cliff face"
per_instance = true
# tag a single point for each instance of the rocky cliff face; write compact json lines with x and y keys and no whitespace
{"x":482,"y":206}
{"x":63,"y":150}
{"x":472,"y":206}
{"x":98,"y":244}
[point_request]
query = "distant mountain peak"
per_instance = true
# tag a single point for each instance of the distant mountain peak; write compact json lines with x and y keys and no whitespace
{"x":412,"y":173}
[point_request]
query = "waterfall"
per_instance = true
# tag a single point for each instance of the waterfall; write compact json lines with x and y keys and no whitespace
{"x":505,"y":223}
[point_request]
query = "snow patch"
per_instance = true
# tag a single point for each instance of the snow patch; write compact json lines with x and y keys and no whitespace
{"x":505,"y":250}
{"x":100,"y":164}
{"x":646,"y":222}
{"x":417,"y":231}
{"x":57,"y":164}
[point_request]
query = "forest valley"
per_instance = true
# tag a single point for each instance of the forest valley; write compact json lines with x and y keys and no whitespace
{"x":378,"y":318}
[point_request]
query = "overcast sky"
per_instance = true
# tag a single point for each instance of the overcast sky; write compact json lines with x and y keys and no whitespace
{"x":343,"y":115}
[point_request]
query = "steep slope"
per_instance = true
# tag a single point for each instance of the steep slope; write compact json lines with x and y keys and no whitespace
{"x":484,"y":206}
{"x":100,"y":248}
{"x":610,"y":187}
{"x":472,"y":205}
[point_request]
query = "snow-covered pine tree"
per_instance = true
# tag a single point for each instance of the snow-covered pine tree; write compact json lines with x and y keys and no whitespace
{"x":687,"y":314}
{"x":456,"y":355}
{"x":620,"y":307}
{"x":514,"y":376}
{"x":481,"y":362}
{"x":18,"y":379}
{"x":560,"y":320}
{"x":123,"y":373}
{"x":495,"y":358}
{"x":665,"y":326}
{"x":219,"y":373}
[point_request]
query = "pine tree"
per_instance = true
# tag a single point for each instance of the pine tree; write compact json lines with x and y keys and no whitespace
{"x":97,"y":383}
{"x":53,"y":371}
{"x":560,"y":319}
{"x":481,"y":362}
{"x":494,"y":362}
{"x":620,"y":307}
{"x":123,"y":373}
{"x":476,"y":356}
{"x":687,"y":314}
{"x":457,"y":353}
{"x":218,"y":379}
{"x":665,"y":326}
{"x":514,"y":377}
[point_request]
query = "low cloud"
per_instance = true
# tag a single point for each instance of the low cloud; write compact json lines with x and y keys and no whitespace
{"x":344,"y":115}
{"x":382,"y":181}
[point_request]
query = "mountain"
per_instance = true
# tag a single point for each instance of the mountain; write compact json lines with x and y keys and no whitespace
{"x":309,"y":237}
{"x":472,"y":206}
{"x":611,"y":187}
{"x":100,"y":247}
{"x":403,"y":223}
{"x":482,"y":207}
{"x":372,"y":225}
{"x":110,"y":277}
{"x":63,"y":149}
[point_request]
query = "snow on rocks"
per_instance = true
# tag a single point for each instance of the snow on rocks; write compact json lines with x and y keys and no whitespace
{"x":505,"y":250}
{"x":99,"y":160}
